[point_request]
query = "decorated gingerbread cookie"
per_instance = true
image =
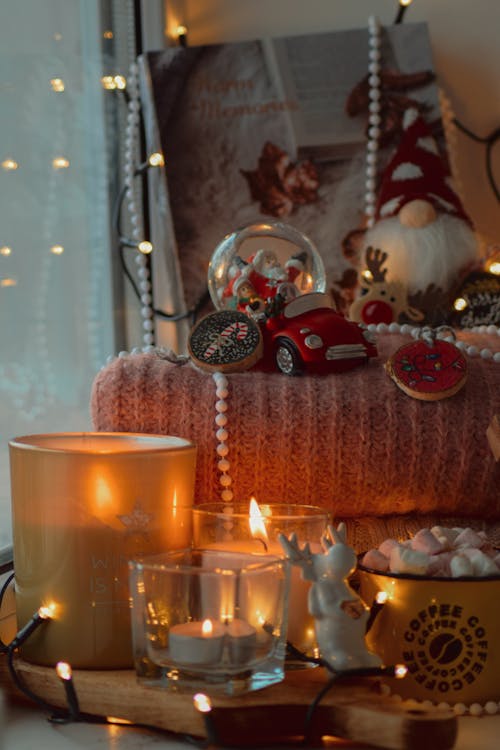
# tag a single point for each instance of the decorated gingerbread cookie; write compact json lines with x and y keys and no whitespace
{"x":428,"y":371}
{"x":225,"y":341}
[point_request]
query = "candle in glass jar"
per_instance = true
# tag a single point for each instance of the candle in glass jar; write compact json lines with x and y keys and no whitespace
{"x":83,"y":504}
{"x":241,"y":640}
{"x":309,"y":522}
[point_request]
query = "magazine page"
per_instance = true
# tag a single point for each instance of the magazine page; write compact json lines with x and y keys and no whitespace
{"x":259,"y":130}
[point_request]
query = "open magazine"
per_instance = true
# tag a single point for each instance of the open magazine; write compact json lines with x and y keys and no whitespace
{"x":271,"y":129}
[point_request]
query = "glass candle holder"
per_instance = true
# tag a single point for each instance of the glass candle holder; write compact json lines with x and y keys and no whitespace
{"x":83,"y":504}
{"x":205,"y":619}
{"x":253,"y":530}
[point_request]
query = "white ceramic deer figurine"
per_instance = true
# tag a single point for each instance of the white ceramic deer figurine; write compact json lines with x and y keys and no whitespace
{"x":339,"y":613}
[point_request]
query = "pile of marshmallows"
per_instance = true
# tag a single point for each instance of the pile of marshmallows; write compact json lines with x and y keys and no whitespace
{"x":439,"y":552}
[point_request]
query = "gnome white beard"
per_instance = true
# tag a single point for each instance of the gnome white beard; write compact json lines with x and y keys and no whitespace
{"x":434,"y":254}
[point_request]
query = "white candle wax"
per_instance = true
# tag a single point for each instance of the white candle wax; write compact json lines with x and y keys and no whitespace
{"x":300,"y":630}
{"x":190,"y":644}
{"x":241,"y":642}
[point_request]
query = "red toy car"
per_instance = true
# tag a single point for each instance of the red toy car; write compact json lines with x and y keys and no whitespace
{"x":307,"y":334}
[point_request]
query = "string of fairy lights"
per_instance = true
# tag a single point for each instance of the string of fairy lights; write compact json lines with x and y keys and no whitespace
{"x":201,"y":702}
{"x":135,"y":170}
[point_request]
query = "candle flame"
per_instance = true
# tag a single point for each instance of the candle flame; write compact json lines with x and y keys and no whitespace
{"x":207,"y":627}
{"x":256,"y":521}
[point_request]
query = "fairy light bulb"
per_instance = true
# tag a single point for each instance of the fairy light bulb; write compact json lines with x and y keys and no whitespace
{"x":57,"y":84}
{"x":5,"y":250}
{"x":156,"y":160}
{"x":400,"y":671}
{"x":202,"y":703}
{"x":64,"y":670}
{"x":9,"y":165}
{"x":57,"y":249}
{"x":108,"y":34}
{"x":145,"y":247}
{"x":460,"y":304}
{"x":405,"y":3}
{"x":120,"y":82}
{"x":60,"y":162}
{"x":381,"y":597}
{"x":367,"y":275}
{"x":495,"y":267}
{"x":8,"y":282}
{"x":108,"y":83}
{"x":181,"y":32}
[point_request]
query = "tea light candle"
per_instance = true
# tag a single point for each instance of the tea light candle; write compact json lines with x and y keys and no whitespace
{"x":242,"y":641}
{"x":196,"y":643}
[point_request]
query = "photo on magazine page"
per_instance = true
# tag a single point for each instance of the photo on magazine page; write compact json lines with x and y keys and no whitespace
{"x":276,"y":129}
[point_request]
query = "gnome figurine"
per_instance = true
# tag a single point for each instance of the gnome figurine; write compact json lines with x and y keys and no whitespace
{"x":420,"y":225}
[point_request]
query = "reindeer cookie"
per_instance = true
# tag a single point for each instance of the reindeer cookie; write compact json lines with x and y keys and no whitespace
{"x":381,"y":301}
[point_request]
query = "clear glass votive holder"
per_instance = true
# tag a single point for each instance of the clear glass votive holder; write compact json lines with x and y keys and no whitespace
{"x":209,"y":619}
{"x":254,"y":530}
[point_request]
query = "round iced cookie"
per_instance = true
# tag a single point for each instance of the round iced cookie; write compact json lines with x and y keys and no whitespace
{"x":428,"y":371}
{"x":227,"y":341}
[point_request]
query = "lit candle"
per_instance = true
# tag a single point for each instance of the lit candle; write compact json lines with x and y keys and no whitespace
{"x":196,"y":643}
{"x":83,"y":504}
{"x":241,"y":640}
{"x":231,"y":536}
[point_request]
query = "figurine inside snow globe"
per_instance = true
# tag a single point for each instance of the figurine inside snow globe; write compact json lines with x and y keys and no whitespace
{"x":253,"y":266}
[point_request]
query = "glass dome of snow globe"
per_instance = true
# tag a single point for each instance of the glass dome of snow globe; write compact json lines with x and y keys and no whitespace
{"x":260,"y":260}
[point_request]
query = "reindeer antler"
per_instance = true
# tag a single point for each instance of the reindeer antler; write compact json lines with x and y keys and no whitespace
{"x":375,"y":259}
{"x":301,"y":557}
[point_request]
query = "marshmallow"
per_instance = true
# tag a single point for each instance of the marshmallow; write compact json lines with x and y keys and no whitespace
{"x":386,"y":546}
{"x":469,"y":538}
{"x":376,"y":560}
{"x":405,"y":560}
{"x":460,"y":565}
{"x":482,"y":565}
{"x":425,"y":541}
{"x":446,"y":536}
{"x":440,"y":565}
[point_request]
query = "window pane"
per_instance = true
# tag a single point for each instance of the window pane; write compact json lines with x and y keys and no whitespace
{"x":56,"y":301}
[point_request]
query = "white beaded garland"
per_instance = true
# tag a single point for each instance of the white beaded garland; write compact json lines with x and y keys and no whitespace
{"x":222,"y":449}
{"x":459,"y":709}
{"x":471,"y":350}
{"x":374,"y":119}
{"x":134,"y":201}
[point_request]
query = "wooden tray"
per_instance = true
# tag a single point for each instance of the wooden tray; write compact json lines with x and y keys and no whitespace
{"x":354,"y":710}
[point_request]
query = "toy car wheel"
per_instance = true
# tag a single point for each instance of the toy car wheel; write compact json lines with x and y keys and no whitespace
{"x":287,"y":358}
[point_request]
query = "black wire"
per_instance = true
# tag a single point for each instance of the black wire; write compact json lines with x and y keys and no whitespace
{"x":400,"y":14}
{"x":490,"y":141}
{"x":124,"y":242}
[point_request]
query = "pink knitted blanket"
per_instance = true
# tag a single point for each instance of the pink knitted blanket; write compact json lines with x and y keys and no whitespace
{"x":353,"y":443}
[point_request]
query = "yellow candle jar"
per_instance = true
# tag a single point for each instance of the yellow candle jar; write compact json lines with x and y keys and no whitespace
{"x":83,"y":504}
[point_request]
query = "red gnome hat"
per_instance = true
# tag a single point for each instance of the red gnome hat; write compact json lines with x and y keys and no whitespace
{"x":417,"y":172}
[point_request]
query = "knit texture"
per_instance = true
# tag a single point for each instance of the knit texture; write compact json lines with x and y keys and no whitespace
{"x":353,"y":443}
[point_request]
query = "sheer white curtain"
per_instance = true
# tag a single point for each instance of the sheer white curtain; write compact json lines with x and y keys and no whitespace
{"x":57,"y":310}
